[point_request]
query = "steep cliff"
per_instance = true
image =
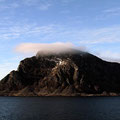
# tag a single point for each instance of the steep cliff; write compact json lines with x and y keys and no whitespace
{"x":66,"y":74}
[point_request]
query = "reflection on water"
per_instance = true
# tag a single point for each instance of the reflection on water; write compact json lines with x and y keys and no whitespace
{"x":59,"y":108}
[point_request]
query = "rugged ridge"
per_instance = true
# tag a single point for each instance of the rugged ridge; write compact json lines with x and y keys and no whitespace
{"x":66,"y":74}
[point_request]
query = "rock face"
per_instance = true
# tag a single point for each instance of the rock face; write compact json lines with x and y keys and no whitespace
{"x":66,"y":74}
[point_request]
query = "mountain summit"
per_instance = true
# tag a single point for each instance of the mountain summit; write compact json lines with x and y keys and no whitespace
{"x":73,"y":73}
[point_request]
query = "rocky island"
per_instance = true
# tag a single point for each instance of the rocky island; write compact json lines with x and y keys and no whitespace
{"x":73,"y":73}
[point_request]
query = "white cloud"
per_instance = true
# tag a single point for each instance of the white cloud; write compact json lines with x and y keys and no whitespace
{"x":30,"y":2}
{"x":59,"y":47}
{"x":108,"y":13}
{"x":102,"y":35}
{"x":43,"y":48}
{"x":61,"y":33}
{"x":8,"y":6}
{"x":112,"y":10}
{"x":39,"y":4}
{"x":16,"y":31}
{"x":7,"y":66}
{"x":44,"y":6}
{"x":68,"y":1}
{"x":109,"y":56}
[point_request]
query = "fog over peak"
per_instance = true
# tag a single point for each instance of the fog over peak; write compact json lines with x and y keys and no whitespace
{"x":46,"y":48}
{"x":30,"y":49}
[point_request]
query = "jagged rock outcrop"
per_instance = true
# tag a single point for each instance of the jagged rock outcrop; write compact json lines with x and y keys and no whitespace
{"x":67,"y":74}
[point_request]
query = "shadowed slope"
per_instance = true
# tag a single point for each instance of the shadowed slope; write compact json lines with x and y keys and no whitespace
{"x":65,"y":74}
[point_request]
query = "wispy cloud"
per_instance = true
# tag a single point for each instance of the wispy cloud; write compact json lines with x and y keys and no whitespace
{"x":44,"y":6}
{"x":6,"y":66}
{"x":30,"y":2}
{"x":102,"y":35}
{"x":62,"y":33}
{"x":109,"y":55}
{"x":5,"y":69}
{"x":113,"y":11}
{"x":67,"y":1}
{"x":39,"y":4}
{"x":8,"y":6}
{"x":108,"y":13}
{"x":16,"y":31}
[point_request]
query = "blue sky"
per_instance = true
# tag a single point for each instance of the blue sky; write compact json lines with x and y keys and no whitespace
{"x":92,"y":24}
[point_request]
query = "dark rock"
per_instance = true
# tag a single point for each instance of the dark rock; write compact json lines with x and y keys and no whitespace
{"x":67,"y":74}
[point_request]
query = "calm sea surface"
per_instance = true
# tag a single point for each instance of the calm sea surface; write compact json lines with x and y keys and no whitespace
{"x":59,"y":108}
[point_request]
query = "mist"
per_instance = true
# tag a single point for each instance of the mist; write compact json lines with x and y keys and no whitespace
{"x":47,"y":48}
